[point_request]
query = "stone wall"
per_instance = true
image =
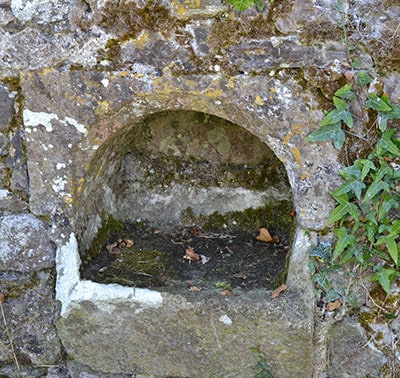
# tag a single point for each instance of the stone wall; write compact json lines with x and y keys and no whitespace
{"x":76,"y":77}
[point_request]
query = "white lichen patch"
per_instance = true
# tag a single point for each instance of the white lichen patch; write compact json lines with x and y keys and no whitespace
{"x":78,"y":126}
{"x":34,"y":119}
{"x":59,"y":184}
{"x":225,"y":319}
{"x":105,"y":82}
{"x":60,"y":166}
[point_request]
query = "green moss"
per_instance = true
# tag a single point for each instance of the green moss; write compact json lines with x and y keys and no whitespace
{"x":109,"y":227}
{"x":134,"y":267}
{"x":16,"y":289}
{"x":275,"y":216}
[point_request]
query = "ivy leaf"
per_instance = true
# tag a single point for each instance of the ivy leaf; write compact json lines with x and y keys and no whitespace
{"x":377,"y":103}
{"x":339,"y":103}
{"x":260,"y":5}
{"x":337,"y":115}
{"x":388,"y":203}
{"x":385,"y":276}
{"x":345,"y":93}
{"x":344,"y":240}
{"x":363,"y":79}
{"x":351,"y":172}
{"x":241,"y":5}
{"x":366,"y":165}
{"x":386,"y":144}
{"x":383,"y":171}
{"x":353,"y":185}
{"x":372,"y":230}
{"x":391,"y":246}
{"x":342,"y":210}
{"x":382,"y":121}
{"x":375,"y":188}
{"x":330,"y":132}
{"x":395,"y":231}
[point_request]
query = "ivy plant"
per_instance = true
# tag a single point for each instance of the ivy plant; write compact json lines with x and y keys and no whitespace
{"x":261,"y":368}
{"x":365,"y":218}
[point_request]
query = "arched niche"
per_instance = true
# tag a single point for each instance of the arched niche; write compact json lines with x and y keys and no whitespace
{"x":186,"y":177}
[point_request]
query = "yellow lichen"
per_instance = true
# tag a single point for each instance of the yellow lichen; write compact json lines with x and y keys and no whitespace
{"x":142,"y":39}
{"x":297,"y":155}
{"x":231,"y":83}
{"x":79,"y":185}
{"x":213,"y":93}
{"x":103,"y":107}
{"x":48,"y":71}
{"x":259,"y":101}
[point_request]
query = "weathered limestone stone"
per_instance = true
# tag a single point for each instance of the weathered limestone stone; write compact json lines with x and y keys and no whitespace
{"x":6,"y":109}
{"x":41,"y":12}
{"x":203,"y":335}
{"x":30,"y":311}
{"x":25,"y":245}
{"x":90,"y":72}
{"x":62,"y":141}
{"x":351,"y":353}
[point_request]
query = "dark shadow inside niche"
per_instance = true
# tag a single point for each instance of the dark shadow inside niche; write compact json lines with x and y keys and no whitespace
{"x":178,"y":200}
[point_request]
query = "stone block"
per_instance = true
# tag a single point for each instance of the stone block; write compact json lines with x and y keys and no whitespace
{"x":183,"y":334}
{"x":24,"y":244}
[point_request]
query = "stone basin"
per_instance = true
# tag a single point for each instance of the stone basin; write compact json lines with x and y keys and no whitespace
{"x":180,"y":333}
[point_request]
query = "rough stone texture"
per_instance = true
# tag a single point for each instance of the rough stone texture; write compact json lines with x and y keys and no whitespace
{"x":24,"y":244}
{"x":350,"y":352}
{"x":77,"y":76}
{"x":6,"y":110}
{"x":30,"y":310}
{"x":188,"y":337}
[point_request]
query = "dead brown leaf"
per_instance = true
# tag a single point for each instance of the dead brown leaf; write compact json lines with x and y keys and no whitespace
{"x":278,"y":291}
{"x":264,"y":235}
{"x":2,"y":297}
{"x":332,"y":306}
{"x":113,"y":248}
{"x":193,"y":288}
{"x":240,"y":275}
{"x":191,"y":255}
{"x":227,"y":292}
{"x":125,"y":243}
{"x":349,"y":75}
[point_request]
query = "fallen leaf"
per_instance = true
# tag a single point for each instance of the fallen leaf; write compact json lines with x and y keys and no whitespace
{"x":112,"y":248}
{"x":197,"y":231}
{"x":349,"y":75}
{"x":125,"y":243}
{"x":193,"y":288}
{"x":191,"y":255}
{"x":278,"y":291}
{"x":205,"y":259}
{"x":1,"y":298}
{"x":227,"y":293}
{"x":275,"y":239}
{"x":240,"y":275}
{"x":264,"y":235}
{"x":292,"y":213}
{"x":332,"y":306}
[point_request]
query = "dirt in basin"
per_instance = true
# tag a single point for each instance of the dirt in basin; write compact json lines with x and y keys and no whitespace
{"x":164,"y":260}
